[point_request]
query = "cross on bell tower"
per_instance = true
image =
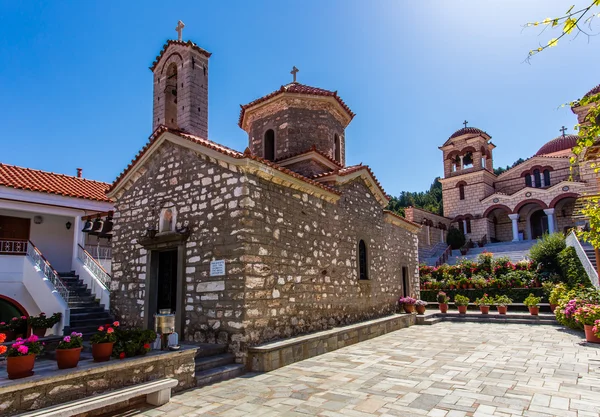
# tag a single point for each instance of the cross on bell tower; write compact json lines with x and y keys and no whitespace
{"x":465,"y":123}
{"x":563,"y":130}
{"x":179,"y":29}
{"x":294,"y":71}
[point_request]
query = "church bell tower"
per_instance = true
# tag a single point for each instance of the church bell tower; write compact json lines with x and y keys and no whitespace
{"x":181,"y":86}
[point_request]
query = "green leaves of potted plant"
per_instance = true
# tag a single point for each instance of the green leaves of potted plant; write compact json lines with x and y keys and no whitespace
{"x":39,"y":324}
{"x":556,"y":293}
{"x":68,"y":351}
{"x":443,"y":300}
{"x":484,"y":303}
{"x":103,"y":341}
{"x":20,"y":357}
{"x":408,"y":304}
{"x":461,"y":302}
{"x":588,"y":315}
{"x":502,"y":302}
{"x":532,"y":302}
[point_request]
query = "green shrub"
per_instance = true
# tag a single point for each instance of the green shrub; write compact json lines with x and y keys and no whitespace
{"x":545,"y":252}
{"x":455,"y":238}
{"x":532,"y":301}
{"x":502,"y":300}
{"x":133,"y":342}
{"x":558,"y":292}
{"x":461,"y":300}
{"x":572,"y":271}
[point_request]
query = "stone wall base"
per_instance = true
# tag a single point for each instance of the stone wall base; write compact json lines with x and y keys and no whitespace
{"x":270,"y":356}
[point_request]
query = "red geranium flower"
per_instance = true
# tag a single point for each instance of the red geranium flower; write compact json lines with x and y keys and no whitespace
{"x":110,"y":330}
{"x":147,"y":346}
{"x":101,"y":328}
{"x":122,"y":355}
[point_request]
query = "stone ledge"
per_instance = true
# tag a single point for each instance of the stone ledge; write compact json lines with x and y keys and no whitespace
{"x":50,"y":386}
{"x":270,"y":356}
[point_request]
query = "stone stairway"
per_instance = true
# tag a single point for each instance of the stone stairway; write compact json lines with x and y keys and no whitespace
{"x":214,"y":364}
{"x":86,"y":312}
{"x":429,"y":256}
{"x":591,"y":254}
{"x":516,"y":251}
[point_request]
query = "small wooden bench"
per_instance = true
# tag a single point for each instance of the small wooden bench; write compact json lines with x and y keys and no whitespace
{"x":156,"y":392}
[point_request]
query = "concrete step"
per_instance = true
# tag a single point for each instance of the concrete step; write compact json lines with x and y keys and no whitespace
{"x":96,"y":308}
{"x":209,"y":362}
{"x":89,"y":315}
{"x":477,"y":317}
{"x":514,"y":307}
{"x":219,"y":374}
{"x":210,"y":349}
{"x":96,"y":321}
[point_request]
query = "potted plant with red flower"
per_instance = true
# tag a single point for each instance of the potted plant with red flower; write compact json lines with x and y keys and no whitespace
{"x":68,"y":351}
{"x":39,"y":324}
{"x":17,"y":328}
{"x":588,"y":315}
{"x":484,"y":303}
{"x":533,"y":304}
{"x":103,"y":341}
{"x":408,"y":304}
{"x":442,"y":300}
{"x":21,"y":357}
{"x":6,"y":331}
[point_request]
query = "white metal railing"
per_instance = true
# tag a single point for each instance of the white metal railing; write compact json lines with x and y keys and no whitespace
{"x":13,"y":246}
{"x":585,"y":261}
{"x":44,"y":266}
{"x":94,"y":267}
{"x":99,"y":252}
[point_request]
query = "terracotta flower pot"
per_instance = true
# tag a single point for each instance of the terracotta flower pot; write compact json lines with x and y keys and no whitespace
{"x":102,"y":351}
{"x":68,"y":358}
{"x":462,"y":309}
{"x":553,"y":307}
{"x":20,"y":366}
{"x":39,"y":331}
{"x":420,"y":309}
{"x":408,"y":308}
{"x":534,"y":311}
{"x":502,"y":309}
{"x":589,"y":334}
{"x":484,"y":309}
{"x":443,"y":308}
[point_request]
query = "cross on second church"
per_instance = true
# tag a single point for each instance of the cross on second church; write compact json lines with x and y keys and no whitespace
{"x":563,"y":130}
{"x":294,"y":71}
{"x":179,"y":29}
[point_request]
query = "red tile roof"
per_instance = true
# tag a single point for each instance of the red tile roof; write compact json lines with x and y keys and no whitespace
{"x":216,"y":147}
{"x":51,"y":183}
{"x":465,"y":131}
{"x":560,"y":143}
{"x":296,"y":88}
{"x":173,"y":42}
{"x":593,"y":91}
{"x":351,"y":169}
{"x":312,"y":149}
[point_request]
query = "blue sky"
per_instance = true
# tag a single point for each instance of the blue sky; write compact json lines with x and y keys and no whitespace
{"x":76,"y":91}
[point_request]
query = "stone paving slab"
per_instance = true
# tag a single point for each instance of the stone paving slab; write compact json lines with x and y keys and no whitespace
{"x":445,"y":370}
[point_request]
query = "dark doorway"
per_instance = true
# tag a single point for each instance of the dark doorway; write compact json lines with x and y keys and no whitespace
{"x":166,"y":294}
{"x":539,"y":224}
{"x":14,"y":228}
{"x":405,"y":283}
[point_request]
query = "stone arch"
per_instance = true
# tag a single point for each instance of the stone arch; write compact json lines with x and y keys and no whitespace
{"x":529,"y":201}
{"x":13,"y":303}
{"x":560,"y":197}
{"x":494,"y":207}
{"x":168,"y":61}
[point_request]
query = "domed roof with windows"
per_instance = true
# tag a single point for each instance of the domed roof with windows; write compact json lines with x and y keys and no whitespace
{"x":558,"y":144}
{"x":465,"y":131}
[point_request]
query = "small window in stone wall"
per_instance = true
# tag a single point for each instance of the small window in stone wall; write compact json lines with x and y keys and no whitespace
{"x":528,"y":180}
{"x":546,"y":178}
{"x":168,"y":218}
{"x":468,"y":222}
{"x":337,"y":148}
{"x":461,"y":191}
{"x":537,"y":178}
{"x":468,"y":160}
{"x":269,"y":145}
{"x":363,"y":268}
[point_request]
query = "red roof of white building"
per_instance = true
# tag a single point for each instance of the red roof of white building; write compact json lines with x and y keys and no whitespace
{"x":49,"y":182}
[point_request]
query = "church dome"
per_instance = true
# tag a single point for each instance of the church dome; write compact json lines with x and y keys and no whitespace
{"x":466,"y":130}
{"x":558,"y":144}
{"x":593,"y":91}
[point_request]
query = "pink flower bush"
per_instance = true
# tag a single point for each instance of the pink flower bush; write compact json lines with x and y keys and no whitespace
{"x":23,"y":349}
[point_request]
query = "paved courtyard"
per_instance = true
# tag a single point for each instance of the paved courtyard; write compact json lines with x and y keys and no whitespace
{"x":448,"y":369}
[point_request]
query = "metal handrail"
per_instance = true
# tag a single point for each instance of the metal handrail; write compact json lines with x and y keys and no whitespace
{"x":444,"y":256}
{"x":49,"y":272}
{"x":99,"y":252}
{"x":13,"y":246}
{"x":585,"y":261}
{"x":94,"y":267}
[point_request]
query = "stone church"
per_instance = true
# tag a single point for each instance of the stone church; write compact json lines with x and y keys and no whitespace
{"x":534,"y":197}
{"x":281,"y":239}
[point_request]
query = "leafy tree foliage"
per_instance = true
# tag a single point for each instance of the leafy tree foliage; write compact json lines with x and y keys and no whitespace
{"x":427,"y":200}
{"x":500,"y":170}
{"x":455,"y":238}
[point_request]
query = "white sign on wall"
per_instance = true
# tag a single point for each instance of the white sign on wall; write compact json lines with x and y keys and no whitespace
{"x":217,"y":268}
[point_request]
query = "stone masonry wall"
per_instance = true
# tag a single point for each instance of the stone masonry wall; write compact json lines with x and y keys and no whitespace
{"x":208,"y":195}
{"x":478,"y":186}
{"x":302,"y":270}
{"x":296,"y":130}
{"x":308,"y":168}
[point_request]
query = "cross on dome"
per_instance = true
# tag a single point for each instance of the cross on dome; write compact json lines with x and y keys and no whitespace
{"x":179,"y":29}
{"x":563,"y":130}
{"x":465,"y":123}
{"x":294,"y":71}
